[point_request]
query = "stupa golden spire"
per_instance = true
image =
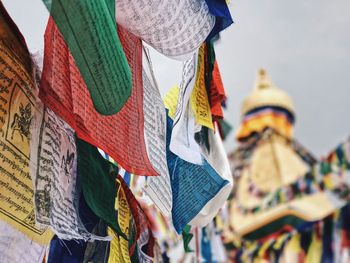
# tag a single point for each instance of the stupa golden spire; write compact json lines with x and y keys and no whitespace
{"x":265,"y":93}
{"x":266,"y":107}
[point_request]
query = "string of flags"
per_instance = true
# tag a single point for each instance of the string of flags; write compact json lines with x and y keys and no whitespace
{"x":94,"y":168}
{"x":325,"y":240}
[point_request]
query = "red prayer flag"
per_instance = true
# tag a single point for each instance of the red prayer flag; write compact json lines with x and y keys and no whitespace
{"x":217,"y":93}
{"x":63,"y":90}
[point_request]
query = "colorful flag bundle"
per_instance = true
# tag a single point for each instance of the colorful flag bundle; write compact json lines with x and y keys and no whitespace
{"x":62,"y":198}
{"x":95,"y":166}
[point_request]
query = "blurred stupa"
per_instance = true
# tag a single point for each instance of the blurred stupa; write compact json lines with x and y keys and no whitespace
{"x":275,"y":189}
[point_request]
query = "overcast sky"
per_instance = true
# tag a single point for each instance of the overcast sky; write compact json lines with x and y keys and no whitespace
{"x":303,"y":44}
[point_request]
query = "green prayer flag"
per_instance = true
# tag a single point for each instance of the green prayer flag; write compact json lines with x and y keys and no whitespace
{"x":325,"y":168}
{"x":90,"y":31}
{"x":225,"y":128}
{"x":98,"y":179}
{"x":187,"y":237}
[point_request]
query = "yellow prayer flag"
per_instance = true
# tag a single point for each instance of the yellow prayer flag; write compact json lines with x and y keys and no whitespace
{"x":314,"y":252}
{"x":114,"y":248}
{"x":294,"y":243}
{"x":17,"y":106}
{"x":199,"y":98}
{"x":124,"y":215}
{"x":170,"y":100}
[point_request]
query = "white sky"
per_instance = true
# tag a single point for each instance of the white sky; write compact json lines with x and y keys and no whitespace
{"x":303,"y":44}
